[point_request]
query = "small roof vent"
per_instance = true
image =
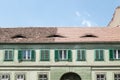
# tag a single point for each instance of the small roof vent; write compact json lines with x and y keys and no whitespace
{"x":18,"y":36}
{"x":89,"y":36}
{"x":55,"y":35}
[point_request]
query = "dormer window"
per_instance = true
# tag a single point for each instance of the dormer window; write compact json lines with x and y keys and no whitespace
{"x":18,"y":36}
{"x":55,"y":35}
{"x":89,"y":36}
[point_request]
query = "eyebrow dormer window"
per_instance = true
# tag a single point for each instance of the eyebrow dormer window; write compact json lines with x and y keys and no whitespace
{"x":18,"y":36}
{"x":89,"y":36}
{"x":53,"y":36}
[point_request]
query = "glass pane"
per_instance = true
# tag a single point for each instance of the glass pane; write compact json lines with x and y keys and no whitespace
{"x":29,"y":54}
{"x":78,"y":55}
{"x":60,"y":54}
{"x":97,"y":54}
{"x":118,"y":54}
{"x":118,"y":75}
{"x":6,"y":55}
{"x":102,"y":76}
{"x":24,"y":54}
{"x":3,"y":76}
{"x":83,"y":54}
{"x":98,"y":76}
{"x":115,"y":76}
{"x":65,"y":55}
{"x":10,"y":54}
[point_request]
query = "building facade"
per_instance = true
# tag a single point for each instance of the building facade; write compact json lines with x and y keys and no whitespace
{"x":60,"y":53}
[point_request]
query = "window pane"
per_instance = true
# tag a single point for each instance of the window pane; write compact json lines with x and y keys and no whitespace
{"x":116,"y":76}
{"x":60,"y":54}
{"x":20,"y":77}
{"x":28,"y":54}
{"x":42,"y":77}
{"x":45,"y":55}
{"x":5,"y":76}
{"x":24,"y":54}
{"x":97,"y":55}
{"x":100,"y":77}
{"x":6,"y":55}
{"x":118,"y":54}
{"x":115,"y":54}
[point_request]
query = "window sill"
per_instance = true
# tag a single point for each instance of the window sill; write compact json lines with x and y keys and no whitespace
{"x":44,"y":60}
{"x":114,"y":59}
{"x":8,"y":60}
{"x":63,"y":60}
{"x":26,"y":60}
{"x":81,"y":60}
{"x":99,"y":60}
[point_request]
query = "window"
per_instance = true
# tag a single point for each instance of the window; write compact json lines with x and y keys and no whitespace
{"x":42,"y":76}
{"x":81,"y":55}
{"x":5,"y":77}
{"x":45,"y":55}
{"x":100,"y":77}
{"x":63,"y":55}
{"x":26,"y":55}
{"x":55,"y":36}
{"x":8,"y":55}
{"x":114,"y":54}
{"x":18,"y":36}
{"x":89,"y":36}
{"x":99,"y":55}
{"x":20,"y":77}
{"x":116,"y":76}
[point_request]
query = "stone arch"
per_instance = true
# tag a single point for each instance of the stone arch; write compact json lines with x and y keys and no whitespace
{"x":70,"y":76}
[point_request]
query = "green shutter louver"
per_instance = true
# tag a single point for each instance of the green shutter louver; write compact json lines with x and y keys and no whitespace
{"x":69,"y":55}
{"x":111,"y":54}
{"x":83,"y":55}
{"x":33,"y":55}
{"x":56,"y":55}
{"x":20,"y":55}
{"x":102,"y":55}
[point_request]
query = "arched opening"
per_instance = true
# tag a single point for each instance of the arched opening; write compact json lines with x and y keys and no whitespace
{"x":70,"y":76}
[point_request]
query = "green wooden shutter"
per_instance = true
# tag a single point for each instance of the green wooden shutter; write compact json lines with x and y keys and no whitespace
{"x":69,"y":55}
{"x":111,"y":55}
{"x":56,"y":55}
{"x":48,"y":55}
{"x":33,"y":55}
{"x":101,"y":55}
{"x":97,"y":55}
{"x":83,"y":55}
{"x":20,"y":55}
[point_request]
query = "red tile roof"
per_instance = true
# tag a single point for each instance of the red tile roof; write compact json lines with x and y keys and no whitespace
{"x":59,"y":35}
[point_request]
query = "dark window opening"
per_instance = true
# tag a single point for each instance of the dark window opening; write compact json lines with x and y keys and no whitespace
{"x":55,"y":36}
{"x":89,"y":35}
{"x":19,"y":36}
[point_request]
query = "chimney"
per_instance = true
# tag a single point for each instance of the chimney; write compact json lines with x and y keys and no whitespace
{"x":115,"y":22}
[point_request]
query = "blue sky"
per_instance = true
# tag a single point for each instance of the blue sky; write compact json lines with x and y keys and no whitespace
{"x":55,"y":13}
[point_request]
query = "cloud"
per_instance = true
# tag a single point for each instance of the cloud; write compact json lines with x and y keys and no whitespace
{"x":78,"y":13}
{"x":86,"y":23}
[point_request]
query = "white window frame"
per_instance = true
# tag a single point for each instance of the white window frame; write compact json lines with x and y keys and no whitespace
{"x":8,"y":52}
{"x":118,"y":77}
{"x":116,"y":54}
{"x":20,"y":76}
{"x":26,"y":54}
{"x":100,"y":78}
{"x":6,"y":77}
{"x":43,"y":56}
{"x":63,"y":55}
{"x":80,"y":54}
{"x":43,"y":78}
